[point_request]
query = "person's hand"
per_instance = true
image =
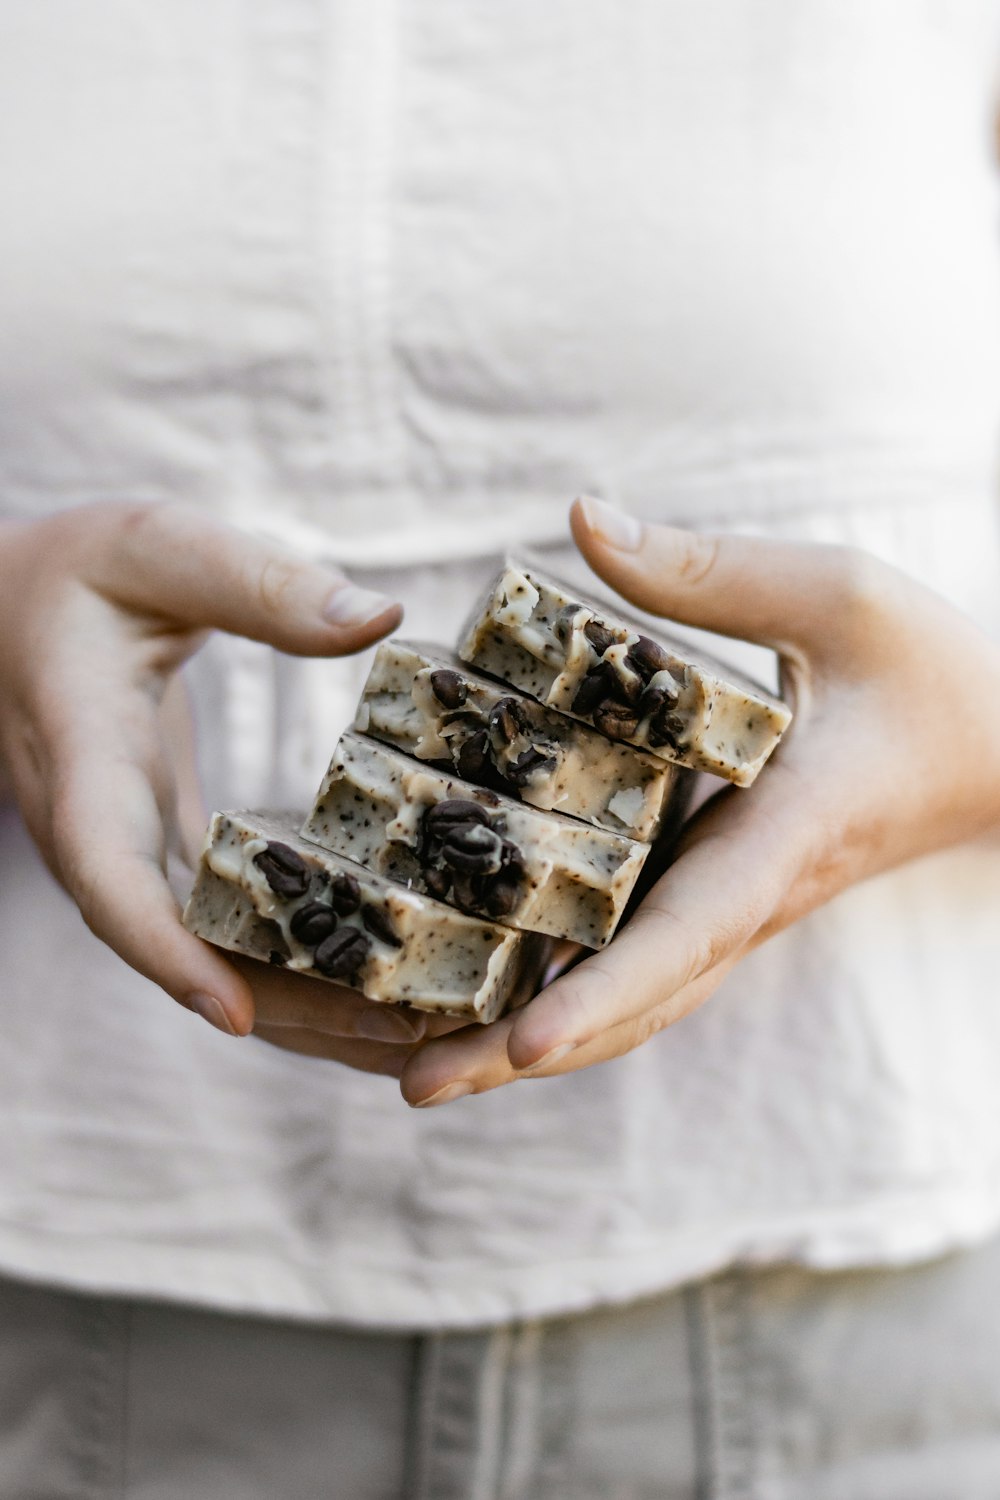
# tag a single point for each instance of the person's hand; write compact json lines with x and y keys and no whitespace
{"x":894,"y":752}
{"x":99,"y":607}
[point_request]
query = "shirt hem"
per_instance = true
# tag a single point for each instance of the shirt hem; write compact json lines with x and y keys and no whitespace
{"x":886,"y":1232}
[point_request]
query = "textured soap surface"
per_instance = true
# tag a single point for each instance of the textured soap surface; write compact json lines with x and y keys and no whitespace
{"x":472,"y":847}
{"x":424,"y":700}
{"x":578,"y":655}
{"x":263,"y":891}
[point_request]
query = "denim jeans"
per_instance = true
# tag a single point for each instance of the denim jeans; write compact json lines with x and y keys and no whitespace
{"x":777,"y":1384}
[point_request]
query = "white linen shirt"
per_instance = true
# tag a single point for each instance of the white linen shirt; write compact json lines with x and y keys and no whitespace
{"x":397,"y":280}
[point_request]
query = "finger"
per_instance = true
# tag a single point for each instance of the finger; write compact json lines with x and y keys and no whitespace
{"x":477,"y":1059}
{"x":106,"y":836}
{"x":284,"y":998}
{"x":169,"y":559}
{"x":722,"y":891}
{"x":365,"y":1057}
{"x":779,"y":594}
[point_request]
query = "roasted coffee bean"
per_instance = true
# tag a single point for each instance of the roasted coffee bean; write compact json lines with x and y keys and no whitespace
{"x":523,"y":767}
{"x":379,"y":925}
{"x":648,"y":657}
{"x":473,"y":848}
{"x":341,"y":955}
{"x":473,"y":756}
{"x":453,"y":812}
{"x":312,"y":922}
{"x":467,"y":890}
{"x":599,"y":636}
{"x":616,"y":720}
{"x":502,"y":893}
{"x":507,"y":720}
{"x":449,"y":688}
{"x":564,"y":621}
{"x":511,"y":857}
{"x":285,"y":872}
{"x":438,"y":882}
{"x":665,"y":728}
{"x":654,"y":699}
{"x":628,"y":684}
{"x":345,"y":894}
{"x":599,"y":683}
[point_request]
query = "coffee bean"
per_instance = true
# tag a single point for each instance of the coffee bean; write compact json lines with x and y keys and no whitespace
{"x":665,"y":728}
{"x":599,"y":636}
{"x":467,"y":890}
{"x":511,"y":857}
{"x":507,"y":720}
{"x":502,"y":893}
{"x":341,"y":955}
{"x":648,"y":657}
{"x":452,"y":812}
{"x":285,"y":872}
{"x":616,"y":720}
{"x":449,"y":688}
{"x":628,"y":684}
{"x":312,"y":922}
{"x":473,"y":756}
{"x":564,"y":621}
{"x":473,"y":848}
{"x":345,"y":894}
{"x":438,"y":882}
{"x":654,"y":699}
{"x":380,"y":926}
{"x":524,"y":766}
{"x":598,"y":684}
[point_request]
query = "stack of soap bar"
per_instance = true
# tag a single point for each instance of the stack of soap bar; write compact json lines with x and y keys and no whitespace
{"x":482,"y":851}
{"x":581,"y":657}
{"x":417,"y":878}
{"x":426,"y":702}
{"x":263,"y":891}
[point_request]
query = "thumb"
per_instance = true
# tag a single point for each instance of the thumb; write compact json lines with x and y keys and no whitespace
{"x":169,"y":560}
{"x":773,"y":593}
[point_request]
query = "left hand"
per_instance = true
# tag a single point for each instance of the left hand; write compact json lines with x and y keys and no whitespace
{"x":894,"y":752}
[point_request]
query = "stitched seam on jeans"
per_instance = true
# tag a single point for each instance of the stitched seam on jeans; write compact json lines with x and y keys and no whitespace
{"x":702,"y":1391}
{"x":100,"y":1453}
{"x":459,"y":1412}
{"x":520,"y":1436}
{"x":728,"y":1305}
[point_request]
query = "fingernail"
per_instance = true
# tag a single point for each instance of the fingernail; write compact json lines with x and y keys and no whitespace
{"x":211,"y":1011}
{"x":616,"y":528}
{"x":350,"y":605}
{"x":549,"y":1060}
{"x":387,"y":1026}
{"x":446,"y":1095}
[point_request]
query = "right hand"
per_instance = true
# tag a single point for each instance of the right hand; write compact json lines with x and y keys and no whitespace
{"x":99,"y":608}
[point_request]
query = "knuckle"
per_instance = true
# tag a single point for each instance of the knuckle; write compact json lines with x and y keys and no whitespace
{"x":127,"y":534}
{"x":861,"y":580}
{"x":697,"y":558}
{"x":277,"y":583}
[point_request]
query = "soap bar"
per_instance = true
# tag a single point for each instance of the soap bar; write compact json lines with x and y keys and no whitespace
{"x":263,"y":891}
{"x":475,"y":848}
{"x":583,"y":657}
{"x":423,"y":700}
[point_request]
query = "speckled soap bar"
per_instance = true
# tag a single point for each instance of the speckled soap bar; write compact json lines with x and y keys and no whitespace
{"x":261,"y":890}
{"x":423,"y":700}
{"x":580,"y":656}
{"x":475,"y":848}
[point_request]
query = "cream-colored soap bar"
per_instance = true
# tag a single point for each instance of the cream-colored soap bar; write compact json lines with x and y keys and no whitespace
{"x":423,"y":700}
{"x":479,"y":850}
{"x":261,"y":890}
{"x":582,"y":657}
